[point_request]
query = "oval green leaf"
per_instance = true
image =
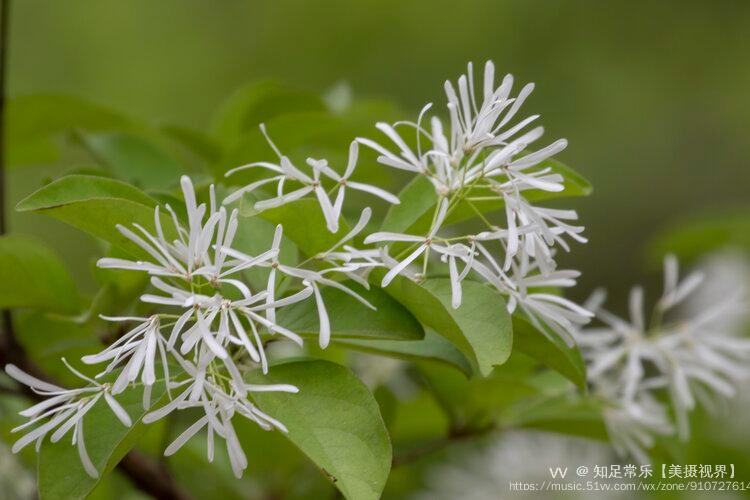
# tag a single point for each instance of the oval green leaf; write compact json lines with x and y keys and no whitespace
{"x":351,"y":319}
{"x":481,"y":328}
{"x":432,"y":347}
{"x":550,"y":350}
{"x":96,"y":205}
{"x":31,"y":275}
{"x":335,"y":421}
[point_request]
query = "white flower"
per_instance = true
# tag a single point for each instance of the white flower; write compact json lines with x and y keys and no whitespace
{"x":561,"y":315}
{"x":407,"y":160}
{"x":194,"y":252}
{"x":544,"y":227}
{"x":692,"y":356}
{"x":484,"y":157}
{"x":452,"y":254}
{"x":632,"y":427}
{"x":352,"y":262}
{"x":456,"y":159}
{"x":204,"y":311}
{"x":288,"y":172}
{"x":139,"y":347}
{"x":425,"y":243}
{"x":545,"y":310}
{"x":310,"y":279}
{"x":503,"y":162}
{"x":480,"y":125}
{"x":62,"y":411}
{"x":484,"y":470}
{"x":219,"y":408}
{"x":344,"y":182}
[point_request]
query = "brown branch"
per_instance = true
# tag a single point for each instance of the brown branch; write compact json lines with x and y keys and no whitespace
{"x":4,"y":25}
{"x":150,"y":476}
{"x":453,"y":436}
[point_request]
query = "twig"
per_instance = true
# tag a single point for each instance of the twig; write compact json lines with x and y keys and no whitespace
{"x":4,"y":24}
{"x":150,"y":477}
{"x":454,"y":435}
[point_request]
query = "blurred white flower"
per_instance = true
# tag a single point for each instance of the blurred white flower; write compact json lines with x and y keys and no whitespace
{"x":486,"y":472}
{"x":632,"y":426}
{"x":16,"y":480}
{"x":692,"y":353}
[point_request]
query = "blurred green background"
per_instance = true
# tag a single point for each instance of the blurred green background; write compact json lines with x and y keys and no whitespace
{"x":651,"y":95}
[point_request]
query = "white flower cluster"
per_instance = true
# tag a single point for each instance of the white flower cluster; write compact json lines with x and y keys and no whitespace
{"x":689,"y":354}
{"x":288,"y":173}
{"x":484,"y":470}
{"x":213,"y":328}
{"x":483,"y":158}
{"x":209,"y":325}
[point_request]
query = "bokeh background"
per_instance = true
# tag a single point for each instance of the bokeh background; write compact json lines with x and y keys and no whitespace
{"x":651,"y":95}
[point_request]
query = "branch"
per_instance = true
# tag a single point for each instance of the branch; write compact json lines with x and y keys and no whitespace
{"x":453,"y":436}
{"x":150,"y":477}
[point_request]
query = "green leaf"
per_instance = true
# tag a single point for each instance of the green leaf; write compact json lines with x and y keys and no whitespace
{"x":200,"y":144}
{"x":432,"y":347}
{"x":550,"y":350}
{"x":31,"y":275}
{"x":335,"y":421}
{"x":74,"y":188}
{"x":258,"y":103}
{"x":60,"y":473}
{"x":96,"y":205}
{"x":305,"y":225}
{"x":134,"y":159}
{"x":567,"y":414}
{"x":33,"y":119}
{"x":48,"y":337}
{"x":351,"y":319}
{"x":481,"y":328}
{"x":418,"y":199}
{"x":480,"y":401}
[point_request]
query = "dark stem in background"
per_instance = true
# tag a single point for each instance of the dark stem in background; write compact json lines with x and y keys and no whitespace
{"x":9,"y":348}
{"x":4,"y":23}
{"x":453,"y":436}
{"x":145,"y":473}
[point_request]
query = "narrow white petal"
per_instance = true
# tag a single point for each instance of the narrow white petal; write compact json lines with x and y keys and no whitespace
{"x":118,"y":410}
